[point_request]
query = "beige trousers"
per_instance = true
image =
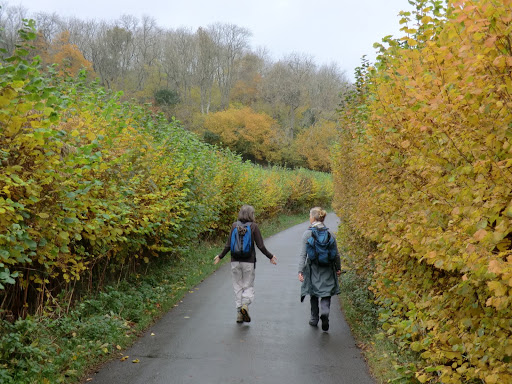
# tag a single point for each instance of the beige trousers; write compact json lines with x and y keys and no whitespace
{"x":243,"y":282}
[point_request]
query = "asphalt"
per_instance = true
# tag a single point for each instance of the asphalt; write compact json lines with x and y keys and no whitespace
{"x":199,"y":341}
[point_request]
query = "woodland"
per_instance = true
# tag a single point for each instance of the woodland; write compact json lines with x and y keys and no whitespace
{"x":272,"y":112}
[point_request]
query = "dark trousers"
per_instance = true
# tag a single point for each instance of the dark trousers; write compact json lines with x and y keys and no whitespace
{"x":325,"y":307}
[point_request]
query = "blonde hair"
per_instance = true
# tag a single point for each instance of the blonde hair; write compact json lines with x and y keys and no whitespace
{"x":318,"y":214}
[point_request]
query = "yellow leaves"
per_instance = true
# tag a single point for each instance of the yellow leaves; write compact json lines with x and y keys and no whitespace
{"x":38,"y":124}
{"x":497,"y":288}
{"x":426,"y":19}
{"x":48,"y":111}
{"x":6,"y":95}
{"x":500,"y":62}
{"x":508,"y":210}
{"x":446,"y":199}
{"x":18,"y":84}
{"x":243,"y":130}
{"x":416,"y":346}
{"x":64,"y":236}
{"x":24,"y":107}
{"x":14,"y":126}
{"x":493,"y":379}
{"x":314,"y":144}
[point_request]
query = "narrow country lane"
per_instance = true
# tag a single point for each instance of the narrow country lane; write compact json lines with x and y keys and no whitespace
{"x":199,"y":341}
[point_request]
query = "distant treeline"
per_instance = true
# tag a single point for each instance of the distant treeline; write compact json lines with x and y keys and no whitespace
{"x":194,"y":74}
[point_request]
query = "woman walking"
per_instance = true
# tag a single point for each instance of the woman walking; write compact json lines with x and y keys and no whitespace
{"x":319,"y":279}
{"x":243,"y":266}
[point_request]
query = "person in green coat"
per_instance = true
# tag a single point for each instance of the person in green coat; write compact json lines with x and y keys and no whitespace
{"x":320,"y":282}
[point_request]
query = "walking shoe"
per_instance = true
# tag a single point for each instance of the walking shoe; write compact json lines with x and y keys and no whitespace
{"x":239,"y":317}
{"x":313,"y":322}
{"x":325,"y":322}
{"x":245,"y":314}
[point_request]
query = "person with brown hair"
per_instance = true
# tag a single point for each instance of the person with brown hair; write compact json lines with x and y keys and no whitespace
{"x":243,"y":265}
{"x":319,"y":280}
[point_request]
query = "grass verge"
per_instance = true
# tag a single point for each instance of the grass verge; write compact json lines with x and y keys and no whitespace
{"x":51,"y":349}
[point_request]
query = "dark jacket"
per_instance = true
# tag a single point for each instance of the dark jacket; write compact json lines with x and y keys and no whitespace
{"x":256,"y":239}
{"x":320,"y":281}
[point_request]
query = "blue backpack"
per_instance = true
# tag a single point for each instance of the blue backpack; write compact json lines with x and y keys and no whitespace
{"x":321,"y":246}
{"x":241,"y":241}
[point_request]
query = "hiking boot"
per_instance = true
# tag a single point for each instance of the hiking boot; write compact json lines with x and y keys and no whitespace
{"x":239,"y":317}
{"x":245,"y":313}
{"x":325,"y":322}
{"x":313,"y":322}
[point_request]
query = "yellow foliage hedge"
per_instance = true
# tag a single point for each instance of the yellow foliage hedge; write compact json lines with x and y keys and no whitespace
{"x":424,"y":170}
{"x":88,"y":181}
{"x":243,"y":130}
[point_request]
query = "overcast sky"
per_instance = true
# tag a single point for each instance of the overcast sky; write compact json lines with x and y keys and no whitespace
{"x":340,"y":31}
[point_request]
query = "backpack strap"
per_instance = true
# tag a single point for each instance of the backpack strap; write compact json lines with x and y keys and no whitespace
{"x":315,"y":230}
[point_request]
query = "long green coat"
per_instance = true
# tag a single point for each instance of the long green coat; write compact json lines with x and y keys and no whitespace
{"x":319,"y":281}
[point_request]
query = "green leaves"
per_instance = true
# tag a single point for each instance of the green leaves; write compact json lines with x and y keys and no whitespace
{"x":87,"y":180}
{"x":6,"y":277}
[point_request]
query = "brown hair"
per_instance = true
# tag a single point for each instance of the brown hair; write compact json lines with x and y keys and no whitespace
{"x":246,"y":214}
{"x":318,"y":214}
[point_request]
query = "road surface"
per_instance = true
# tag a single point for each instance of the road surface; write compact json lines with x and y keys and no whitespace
{"x":199,"y":341}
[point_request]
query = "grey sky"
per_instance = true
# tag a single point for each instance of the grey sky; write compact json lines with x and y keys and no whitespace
{"x":330,"y":31}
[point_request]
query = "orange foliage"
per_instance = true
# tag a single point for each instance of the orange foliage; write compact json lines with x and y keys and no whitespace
{"x":69,"y":58}
{"x":246,"y":92}
{"x":244,"y":131}
{"x":314,"y":145}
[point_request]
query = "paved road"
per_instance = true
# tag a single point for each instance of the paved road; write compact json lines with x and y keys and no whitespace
{"x":199,"y":341}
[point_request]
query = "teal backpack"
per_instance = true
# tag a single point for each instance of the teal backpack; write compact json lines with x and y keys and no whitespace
{"x":321,"y":247}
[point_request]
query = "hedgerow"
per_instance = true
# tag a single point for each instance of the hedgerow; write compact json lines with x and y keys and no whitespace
{"x":424,"y":173}
{"x":92,"y":187}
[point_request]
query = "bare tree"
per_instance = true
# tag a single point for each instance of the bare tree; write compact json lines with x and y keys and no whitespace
{"x":249,"y":71}
{"x":109,"y":53}
{"x":205,"y":68}
{"x":325,"y":88}
{"x":147,"y":49}
{"x":11,"y":21}
{"x":286,"y":83}
{"x":48,"y":25}
{"x":84,"y":35}
{"x":231,"y":41}
{"x":178,"y":59}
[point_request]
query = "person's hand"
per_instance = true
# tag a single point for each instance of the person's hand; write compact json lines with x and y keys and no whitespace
{"x":301,"y":277}
{"x":338,"y":272}
{"x":273,"y":260}
{"x":216,"y":259}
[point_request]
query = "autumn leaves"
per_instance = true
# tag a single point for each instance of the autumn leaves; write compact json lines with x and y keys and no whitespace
{"x":428,"y":144}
